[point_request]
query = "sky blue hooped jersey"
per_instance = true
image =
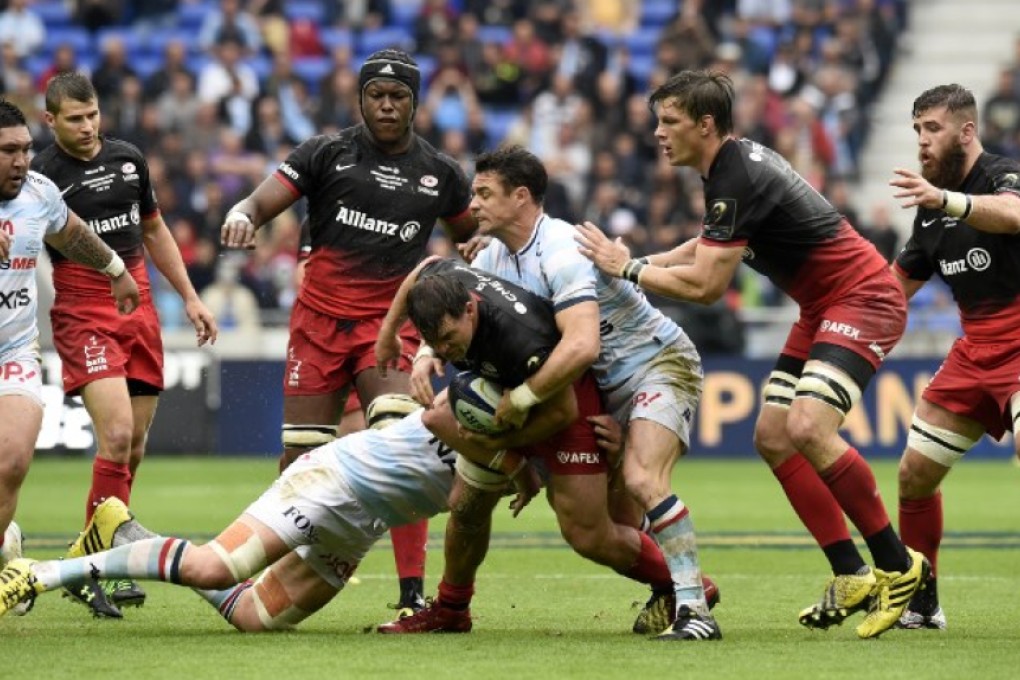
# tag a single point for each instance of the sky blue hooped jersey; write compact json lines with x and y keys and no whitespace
{"x":632,"y":330}
{"x":35,"y":213}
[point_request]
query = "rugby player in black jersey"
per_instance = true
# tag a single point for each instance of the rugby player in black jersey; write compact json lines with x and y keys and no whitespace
{"x":375,"y":191}
{"x":504,"y":332}
{"x":852,"y":313}
{"x":114,"y":362}
{"x":966,"y":231}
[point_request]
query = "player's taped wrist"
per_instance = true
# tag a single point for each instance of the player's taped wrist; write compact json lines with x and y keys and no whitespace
{"x":115,"y":267}
{"x":957,"y":204}
{"x":424,"y":352}
{"x":238,"y":215}
{"x":523,"y":398}
{"x":632,"y":269}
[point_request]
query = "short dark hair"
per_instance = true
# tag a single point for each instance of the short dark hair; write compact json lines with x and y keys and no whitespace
{"x":956,"y":99}
{"x":700,"y":93}
{"x":517,"y":167}
{"x":433,"y":297}
{"x":11,"y":115}
{"x":70,"y":85}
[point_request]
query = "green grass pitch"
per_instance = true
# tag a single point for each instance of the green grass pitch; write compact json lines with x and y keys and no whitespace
{"x":539,"y":611}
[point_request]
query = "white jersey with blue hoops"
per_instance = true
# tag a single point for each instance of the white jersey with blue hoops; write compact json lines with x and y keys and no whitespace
{"x":35,"y":213}
{"x":400,"y":474}
{"x":632,"y":331}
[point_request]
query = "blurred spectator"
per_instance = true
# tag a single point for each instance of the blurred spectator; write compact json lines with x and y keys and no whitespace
{"x":450,"y":97}
{"x":1000,"y":119}
{"x":11,"y":66}
{"x":112,"y":69}
{"x":95,"y":14}
{"x":123,"y":112}
{"x":174,"y":61}
{"x":691,"y":38}
{"x":178,"y":105}
{"x":619,"y":17}
{"x":880,"y":230}
{"x":235,"y":306}
{"x":469,"y":44}
{"x":362,"y":15}
{"x":338,"y":102}
{"x":838,"y":192}
{"x":65,"y":59}
{"x":268,"y":132}
{"x":496,"y":12}
{"x":231,"y":22}
{"x":528,"y":51}
{"x":229,"y":82}
{"x":22,"y":28}
{"x":152,"y":15}
{"x":552,"y":109}
{"x":498,"y":80}
{"x":582,"y":57}
{"x":436,"y":24}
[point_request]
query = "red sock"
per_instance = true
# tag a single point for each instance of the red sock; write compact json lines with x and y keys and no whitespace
{"x":409,"y":548}
{"x":921,"y":525}
{"x":853,"y":484}
{"x":812,"y":501}
{"x":108,"y":479}
{"x":650,"y":566}
{"x":456,"y":597}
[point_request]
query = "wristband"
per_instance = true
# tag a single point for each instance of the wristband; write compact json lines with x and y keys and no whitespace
{"x":238,"y":215}
{"x":631,"y":270}
{"x":956,"y":204}
{"x":644,"y":260}
{"x":424,"y":351}
{"x":522,"y":398}
{"x":115,"y":267}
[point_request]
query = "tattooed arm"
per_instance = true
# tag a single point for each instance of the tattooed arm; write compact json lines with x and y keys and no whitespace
{"x":80,"y":244}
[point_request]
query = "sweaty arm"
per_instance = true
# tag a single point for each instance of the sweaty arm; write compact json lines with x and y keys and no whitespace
{"x":681,"y":255}
{"x":460,"y":228}
{"x":269,"y":199}
{"x":388,"y":345}
{"x":80,"y":244}
{"x":704,"y":281}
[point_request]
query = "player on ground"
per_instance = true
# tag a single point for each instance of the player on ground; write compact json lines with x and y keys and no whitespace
{"x":33,"y":214}
{"x":375,"y":192}
{"x":114,"y":362}
{"x":852,"y":313}
{"x":965,"y":231}
{"x":494,"y":327}
{"x":311,"y":528}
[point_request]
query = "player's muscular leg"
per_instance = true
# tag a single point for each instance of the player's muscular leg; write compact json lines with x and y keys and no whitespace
{"x":934,"y":444}
{"x":286,"y":594}
{"x":20,"y":420}
{"x":143,"y":410}
{"x":651,"y":452}
{"x":467,"y":531}
{"x":241,"y":550}
{"x":770,"y":437}
{"x":580,"y":503}
{"x":109,"y":405}
{"x":309,"y":421}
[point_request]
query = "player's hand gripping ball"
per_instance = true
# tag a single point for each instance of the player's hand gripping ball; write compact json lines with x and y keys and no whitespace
{"x":474,"y":400}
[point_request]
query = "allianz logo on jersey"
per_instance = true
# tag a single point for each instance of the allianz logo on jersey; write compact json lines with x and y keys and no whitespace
{"x":359,"y":220}
{"x":117,"y":222}
{"x":978,"y":260}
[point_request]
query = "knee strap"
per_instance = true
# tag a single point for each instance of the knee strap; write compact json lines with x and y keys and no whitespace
{"x":480,"y":477}
{"x":274,"y":607}
{"x":780,"y":389}
{"x":943,"y":446}
{"x":307,"y":436}
{"x":241,"y":550}
{"x":830,"y":385}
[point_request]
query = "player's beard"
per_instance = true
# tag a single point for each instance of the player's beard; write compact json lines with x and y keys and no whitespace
{"x":947,"y":172}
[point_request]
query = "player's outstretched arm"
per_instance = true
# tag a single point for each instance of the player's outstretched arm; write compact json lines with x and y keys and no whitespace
{"x":387,"y":344}
{"x":269,"y":199}
{"x":162,"y":248}
{"x":80,"y":244}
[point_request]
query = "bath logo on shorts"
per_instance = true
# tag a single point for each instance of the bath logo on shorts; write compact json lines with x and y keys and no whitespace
{"x":95,"y":356}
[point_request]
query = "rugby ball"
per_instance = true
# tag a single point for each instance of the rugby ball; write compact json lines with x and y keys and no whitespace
{"x":474,"y":400}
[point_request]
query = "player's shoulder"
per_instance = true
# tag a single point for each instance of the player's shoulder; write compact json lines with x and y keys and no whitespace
{"x":1000,"y":172}
{"x":432,"y":158}
{"x":119,"y":148}
{"x":40,"y":184}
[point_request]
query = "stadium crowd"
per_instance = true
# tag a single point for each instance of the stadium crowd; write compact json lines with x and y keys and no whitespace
{"x":217,"y":92}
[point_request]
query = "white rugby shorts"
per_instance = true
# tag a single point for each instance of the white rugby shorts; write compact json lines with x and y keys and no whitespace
{"x":21,"y":374}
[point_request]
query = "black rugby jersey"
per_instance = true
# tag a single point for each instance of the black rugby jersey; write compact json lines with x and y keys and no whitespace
{"x":982,"y":269}
{"x":790,"y":233}
{"x":516,"y":328}
{"x":113,"y":195}
{"x":370,"y":216}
